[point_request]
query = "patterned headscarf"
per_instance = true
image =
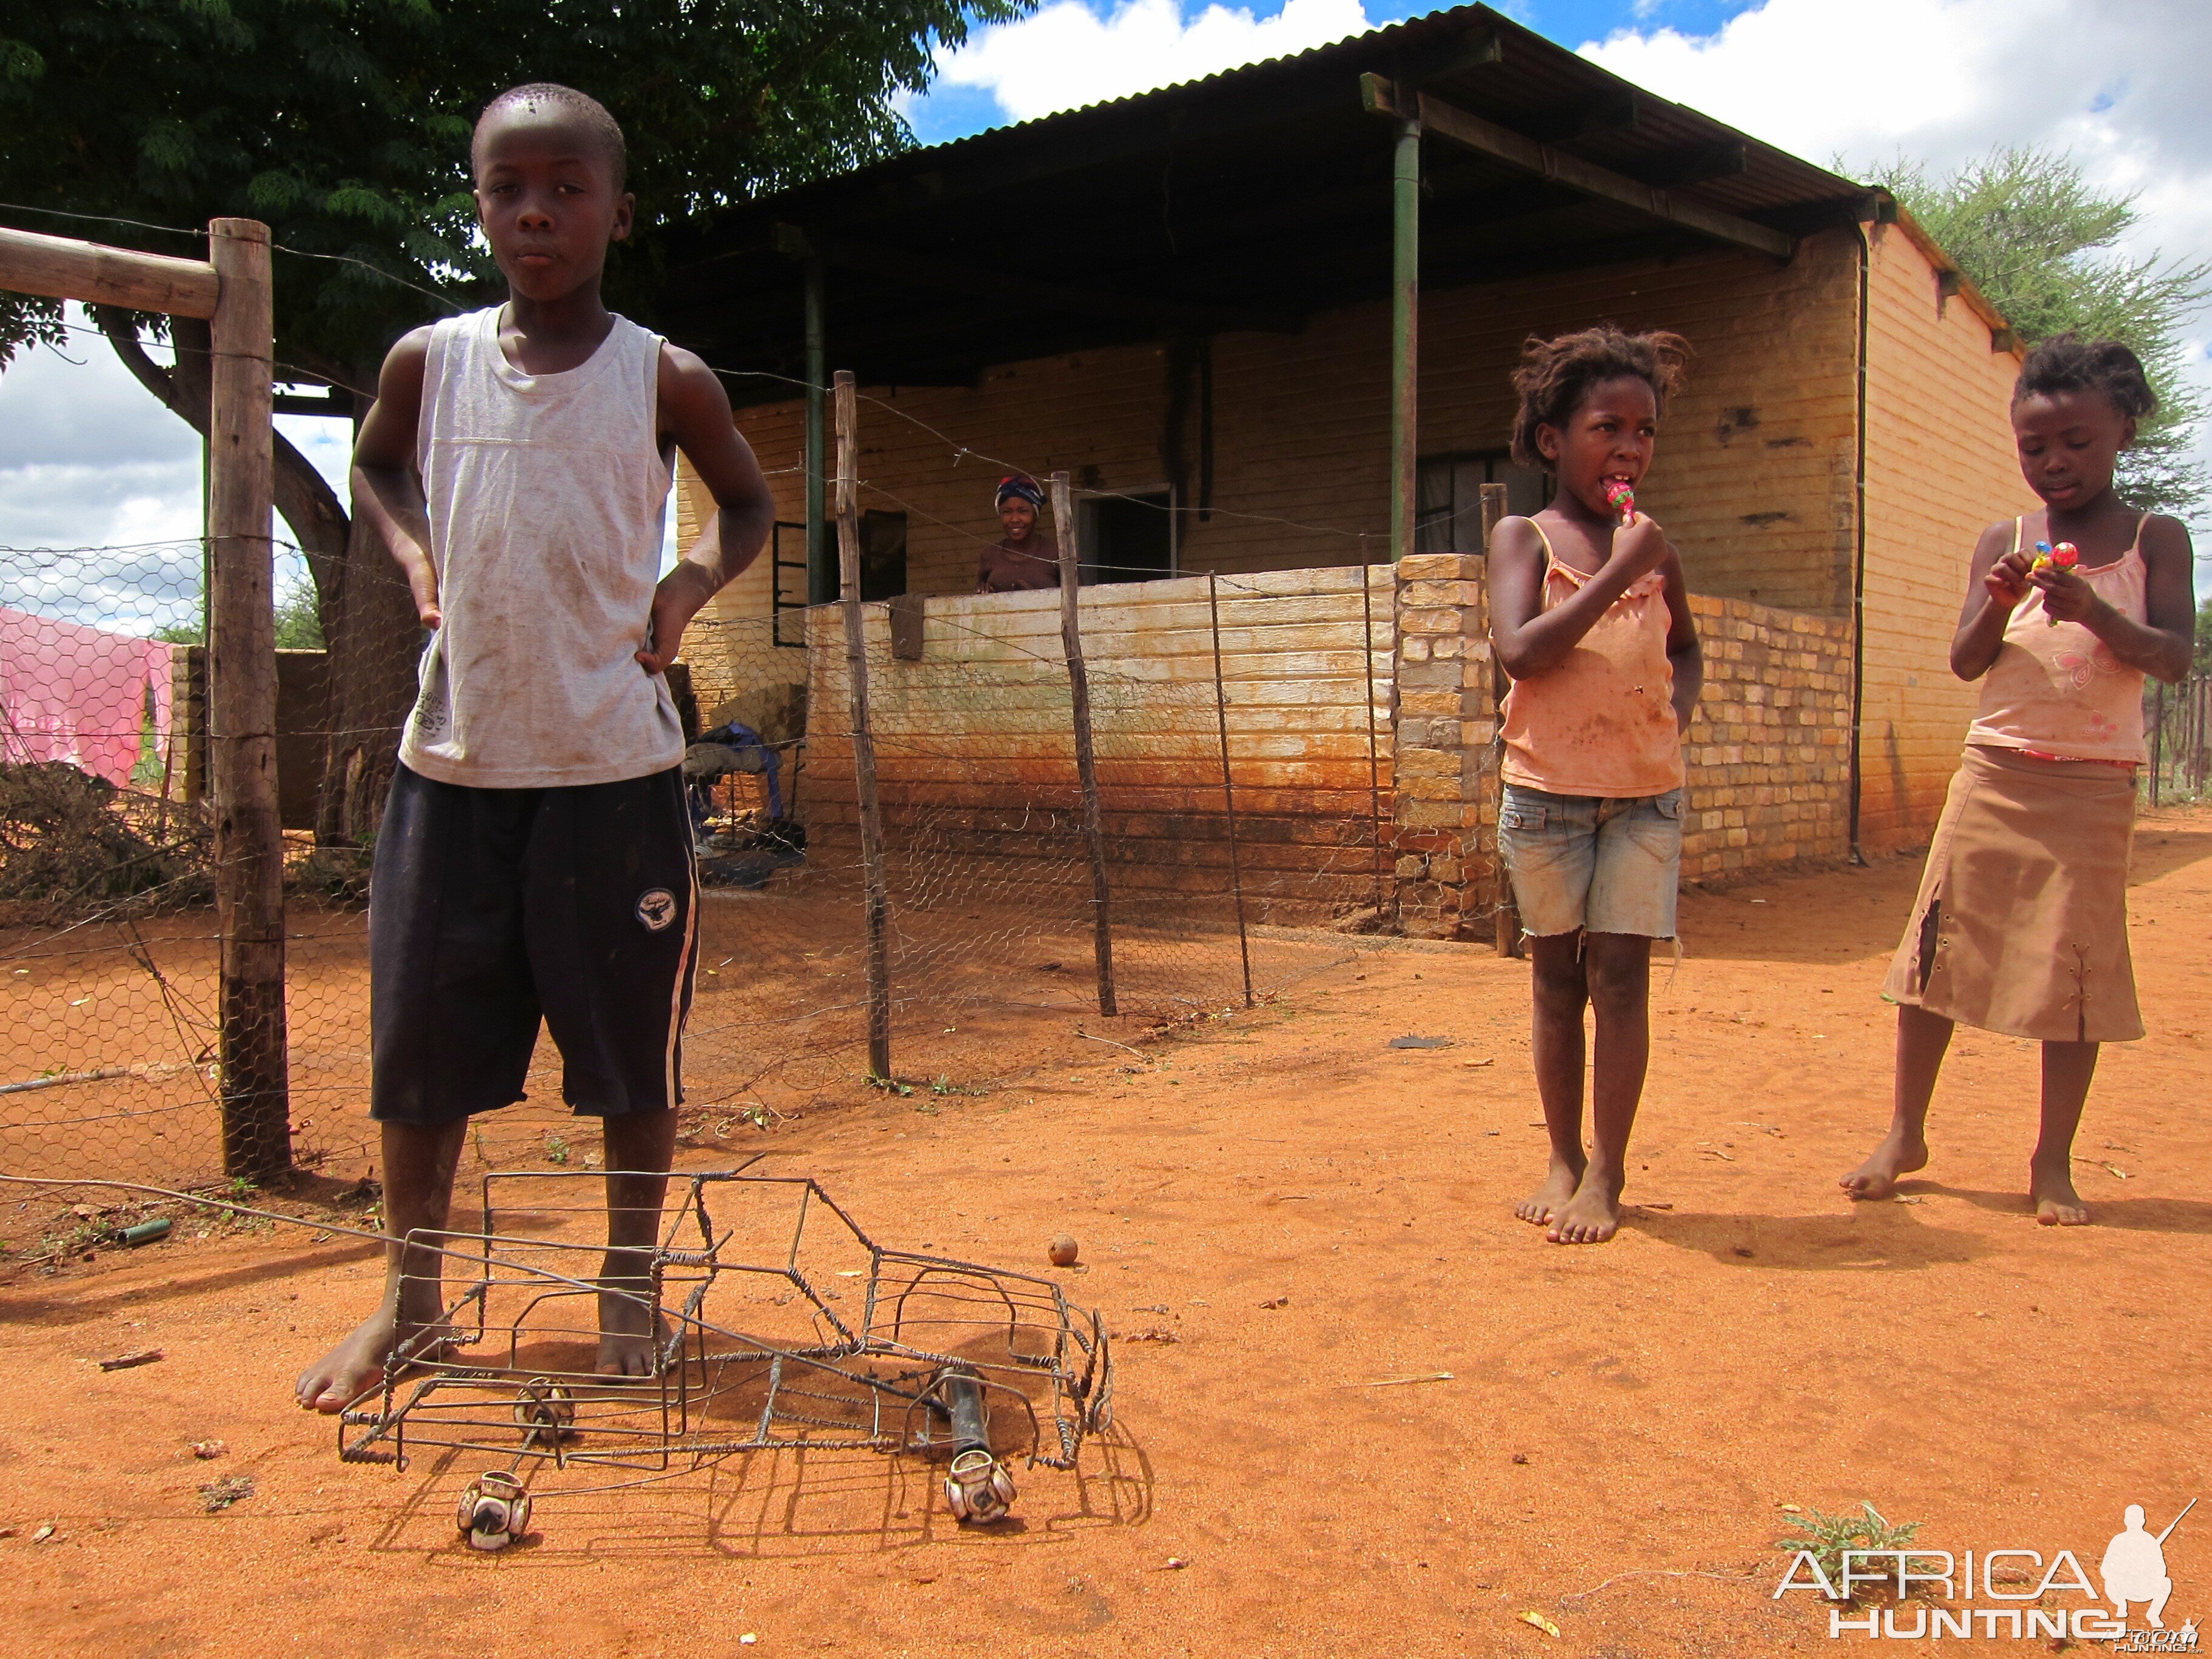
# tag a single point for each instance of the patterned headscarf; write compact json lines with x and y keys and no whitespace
{"x":1022,"y":485}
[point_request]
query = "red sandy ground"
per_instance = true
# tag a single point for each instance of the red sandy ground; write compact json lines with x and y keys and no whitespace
{"x":1620,"y":1430}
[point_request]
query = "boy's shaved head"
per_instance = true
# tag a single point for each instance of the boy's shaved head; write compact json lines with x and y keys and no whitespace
{"x":580,"y":109}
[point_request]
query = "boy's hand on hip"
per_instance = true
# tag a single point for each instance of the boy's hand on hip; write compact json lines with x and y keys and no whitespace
{"x":422,"y":587}
{"x":684,"y":592}
{"x":1639,"y":547}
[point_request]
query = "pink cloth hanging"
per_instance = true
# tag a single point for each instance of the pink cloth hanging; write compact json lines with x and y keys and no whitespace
{"x":80,"y":694}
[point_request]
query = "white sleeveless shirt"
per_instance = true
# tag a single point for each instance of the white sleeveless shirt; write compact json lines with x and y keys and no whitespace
{"x":547,"y":495}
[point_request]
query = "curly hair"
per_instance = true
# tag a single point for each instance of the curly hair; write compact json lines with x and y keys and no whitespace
{"x":2067,"y":363}
{"x":601,"y":128}
{"x":1555,"y":376}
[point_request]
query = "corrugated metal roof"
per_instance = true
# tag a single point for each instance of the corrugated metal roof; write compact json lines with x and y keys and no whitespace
{"x":1220,"y":202}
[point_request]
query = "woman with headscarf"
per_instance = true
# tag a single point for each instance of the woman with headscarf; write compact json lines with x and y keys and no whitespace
{"x":1024,"y":559}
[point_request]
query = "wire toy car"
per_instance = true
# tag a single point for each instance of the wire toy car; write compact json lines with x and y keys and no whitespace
{"x":778,"y":1323}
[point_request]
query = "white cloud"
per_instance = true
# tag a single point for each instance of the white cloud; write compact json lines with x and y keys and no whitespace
{"x":1067,"y":54}
{"x":2119,"y":85}
{"x":89,"y":460}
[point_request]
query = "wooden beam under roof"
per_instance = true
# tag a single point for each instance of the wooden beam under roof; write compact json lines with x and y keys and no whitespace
{"x":1616,"y":112}
{"x":976,"y":282}
{"x":1446,"y":120}
{"x":1692,"y":164}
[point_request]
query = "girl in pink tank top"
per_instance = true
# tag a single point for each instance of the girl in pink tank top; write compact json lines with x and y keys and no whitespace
{"x":1590,"y":615}
{"x":2020,"y":925}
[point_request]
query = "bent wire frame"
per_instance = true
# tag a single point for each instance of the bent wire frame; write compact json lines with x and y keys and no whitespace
{"x":756,"y":1346}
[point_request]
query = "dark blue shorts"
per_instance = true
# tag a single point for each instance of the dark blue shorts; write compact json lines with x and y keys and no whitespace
{"x":493,"y":909}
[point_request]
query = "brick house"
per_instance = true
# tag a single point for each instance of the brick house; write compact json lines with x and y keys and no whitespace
{"x":1265,"y":320}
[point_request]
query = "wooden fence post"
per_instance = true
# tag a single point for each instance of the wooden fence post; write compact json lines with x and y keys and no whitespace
{"x":249,"y":836}
{"x":231,"y":289}
{"x":1086,"y":762}
{"x":2157,"y":735}
{"x":1505,"y":916}
{"x":1229,"y":788}
{"x":878,"y":900}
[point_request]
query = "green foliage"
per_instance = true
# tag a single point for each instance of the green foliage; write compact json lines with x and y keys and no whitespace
{"x":298,"y":623}
{"x":1826,"y":1537}
{"x":345,"y":123}
{"x":2038,"y":240}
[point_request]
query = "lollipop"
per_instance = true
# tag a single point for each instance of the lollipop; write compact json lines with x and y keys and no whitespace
{"x":1621,"y":499}
{"x":2064,"y":557}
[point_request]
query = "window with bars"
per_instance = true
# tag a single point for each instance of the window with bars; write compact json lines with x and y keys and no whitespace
{"x":1448,"y":499}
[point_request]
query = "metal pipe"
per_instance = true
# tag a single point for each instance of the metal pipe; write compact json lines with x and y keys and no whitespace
{"x":821,"y":567}
{"x":1229,"y":788}
{"x":1857,"y":777}
{"x":1405,"y":334}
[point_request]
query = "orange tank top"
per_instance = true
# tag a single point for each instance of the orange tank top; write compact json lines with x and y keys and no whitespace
{"x":2056,"y":689}
{"x":1602,"y":722}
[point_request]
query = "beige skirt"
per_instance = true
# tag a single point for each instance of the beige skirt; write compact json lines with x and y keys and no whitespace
{"x":2021,"y":924}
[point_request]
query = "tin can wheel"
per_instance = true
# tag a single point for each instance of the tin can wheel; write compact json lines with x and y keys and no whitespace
{"x":495,"y":1511}
{"x":978,"y":1488}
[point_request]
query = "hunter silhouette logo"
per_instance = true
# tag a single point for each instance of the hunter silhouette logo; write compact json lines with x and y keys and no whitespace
{"x":1994,"y":1593}
{"x":656,"y":909}
{"x":2134,"y":1567}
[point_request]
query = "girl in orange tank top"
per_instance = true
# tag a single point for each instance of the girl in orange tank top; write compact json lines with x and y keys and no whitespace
{"x":2020,"y":925}
{"x":1590,"y":615}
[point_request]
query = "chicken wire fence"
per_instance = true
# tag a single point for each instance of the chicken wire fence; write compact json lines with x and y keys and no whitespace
{"x":1239,"y":727}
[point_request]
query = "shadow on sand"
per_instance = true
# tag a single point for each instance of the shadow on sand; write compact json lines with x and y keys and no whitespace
{"x":2133,"y":1215}
{"x":1873,"y":1238}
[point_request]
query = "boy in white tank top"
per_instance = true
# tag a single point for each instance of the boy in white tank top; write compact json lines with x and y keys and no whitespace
{"x":535,"y":860}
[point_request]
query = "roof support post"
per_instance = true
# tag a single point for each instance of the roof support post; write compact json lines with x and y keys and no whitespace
{"x":821,"y":566}
{"x":1405,"y":335}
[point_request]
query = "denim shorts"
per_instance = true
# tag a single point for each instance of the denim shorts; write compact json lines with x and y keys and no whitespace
{"x":1582,"y":864}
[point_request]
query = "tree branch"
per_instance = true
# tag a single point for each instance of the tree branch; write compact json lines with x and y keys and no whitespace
{"x":305,"y":499}
{"x":123,"y":334}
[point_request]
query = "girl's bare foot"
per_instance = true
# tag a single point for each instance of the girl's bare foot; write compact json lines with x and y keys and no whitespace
{"x":356,"y":1367}
{"x":2057,"y":1203}
{"x":1899,"y":1154}
{"x":1548,"y":1199}
{"x":1592,"y":1216}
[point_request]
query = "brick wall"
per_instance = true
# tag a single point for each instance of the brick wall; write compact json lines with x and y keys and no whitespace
{"x":1447,"y":806}
{"x":975,"y":750}
{"x":1767,"y":754}
{"x":1754,"y":479}
{"x":1941,"y":465}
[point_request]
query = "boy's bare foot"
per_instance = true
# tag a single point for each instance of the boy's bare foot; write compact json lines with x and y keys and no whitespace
{"x":1899,"y":1154}
{"x":629,"y":1328}
{"x":2057,"y":1203}
{"x":1548,"y":1199}
{"x":356,"y":1367}
{"x":1592,"y":1216}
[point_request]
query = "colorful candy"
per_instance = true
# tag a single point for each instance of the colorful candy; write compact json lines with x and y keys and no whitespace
{"x":1621,"y":499}
{"x":2064,"y":557}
